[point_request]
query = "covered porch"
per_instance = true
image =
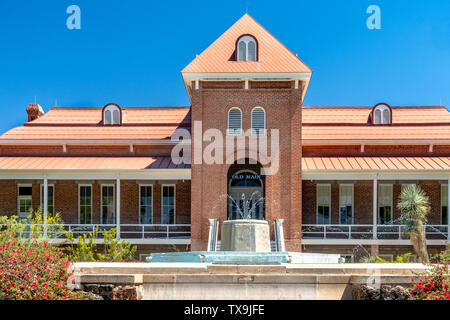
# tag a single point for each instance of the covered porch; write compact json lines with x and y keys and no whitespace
{"x":146,"y":199}
{"x":353,"y":200}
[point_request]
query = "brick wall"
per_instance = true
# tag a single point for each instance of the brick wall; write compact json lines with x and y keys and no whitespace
{"x":209,"y":182}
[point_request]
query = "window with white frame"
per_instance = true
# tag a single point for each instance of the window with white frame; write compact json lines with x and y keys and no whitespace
{"x":247,"y":49}
{"x":323,"y":204}
{"x":85,"y":204}
{"x":112,"y":115}
{"x":234,"y":122}
{"x":385,"y":204}
{"x":50,"y":200}
{"x":145,"y":204}
{"x":444,"y":204}
{"x":258,"y":121}
{"x":168,"y":204}
{"x":346,"y":204}
{"x":108,"y":212}
{"x":24,"y":200}
{"x":382,"y":114}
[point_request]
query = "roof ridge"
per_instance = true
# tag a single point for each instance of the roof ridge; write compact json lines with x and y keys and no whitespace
{"x":371,"y":107}
{"x":128,"y":107}
{"x":276,"y":39}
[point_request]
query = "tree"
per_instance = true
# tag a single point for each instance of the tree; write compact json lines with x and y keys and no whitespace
{"x":414,"y":206}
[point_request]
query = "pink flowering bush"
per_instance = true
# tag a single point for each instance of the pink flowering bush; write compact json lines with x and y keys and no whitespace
{"x":434,"y":285}
{"x":32,"y":269}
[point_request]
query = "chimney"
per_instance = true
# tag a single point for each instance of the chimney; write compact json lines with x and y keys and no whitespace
{"x":34,"y":111}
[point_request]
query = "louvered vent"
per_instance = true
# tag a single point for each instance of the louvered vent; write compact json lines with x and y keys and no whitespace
{"x":258,"y":122}
{"x":234,"y":122}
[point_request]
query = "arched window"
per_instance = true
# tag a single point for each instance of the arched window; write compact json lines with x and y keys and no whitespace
{"x":234,"y":122}
{"x":108,"y":117}
{"x":258,"y":121}
{"x":247,"y":49}
{"x":112,"y":115}
{"x":382,"y":114}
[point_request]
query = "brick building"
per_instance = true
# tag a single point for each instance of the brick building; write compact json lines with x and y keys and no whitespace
{"x":332,"y":174}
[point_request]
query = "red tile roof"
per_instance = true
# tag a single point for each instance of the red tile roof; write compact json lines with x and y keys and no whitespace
{"x":360,"y":115}
{"x":85,"y":123}
{"x":273,"y":56}
{"x":157,"y":123}
{"x":88,"y":163}
{"x":375,"y":133}
{"x":141,"y":115}
{"x":375,"y":163}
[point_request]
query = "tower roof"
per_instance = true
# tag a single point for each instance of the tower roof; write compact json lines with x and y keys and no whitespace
{"x":273,"y":56}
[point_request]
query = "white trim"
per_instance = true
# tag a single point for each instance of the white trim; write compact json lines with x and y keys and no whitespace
{"x":68,"y":142}
{"x":174,"y":203}
{"x":247,"y":75}
{"x":424,"y":142}
{"x":79,"y":201}
{"x":139,"y":204}
{"x":353,"y":201}
{"x":393,"y":242}
{"x":317,"y":201}
{"x":106,"y":174}
{"x":134,"y":241}
{"x":101,"y":202}
{"x":391,"y":204}
{"x":369,"y":175}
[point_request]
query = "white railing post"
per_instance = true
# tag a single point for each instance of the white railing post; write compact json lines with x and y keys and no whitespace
{"x":375,"y":208}
{"x":45,"y":207}
{"x":118,"y":208}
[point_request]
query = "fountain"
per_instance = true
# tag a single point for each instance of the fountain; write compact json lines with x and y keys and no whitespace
{"x":245,"y":240}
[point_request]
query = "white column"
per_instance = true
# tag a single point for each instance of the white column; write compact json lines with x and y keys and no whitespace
{"x":375,"y":207}
{"x":118,"y":208}
{"x":448,"y":209}
{"x":45,"y":206}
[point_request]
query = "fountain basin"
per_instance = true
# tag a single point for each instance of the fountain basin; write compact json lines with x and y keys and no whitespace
{"x":245,"y":235}
{"x":221,"y":256}
{"x":243,"y":257}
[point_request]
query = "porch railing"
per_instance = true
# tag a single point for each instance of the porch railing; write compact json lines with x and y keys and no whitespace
{"x":366,"y":231}
{"x":127,"y":231}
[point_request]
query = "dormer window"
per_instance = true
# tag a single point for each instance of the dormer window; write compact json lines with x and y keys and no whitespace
{"x":247,"y":49}
{"x":112,"y":114}
{"x":382,"y":114}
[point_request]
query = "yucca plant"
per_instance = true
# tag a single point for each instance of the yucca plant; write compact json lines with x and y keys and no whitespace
{"x":414,"y":207}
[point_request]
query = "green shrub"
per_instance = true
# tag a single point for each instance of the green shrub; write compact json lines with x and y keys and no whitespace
{"x":85,"y":249}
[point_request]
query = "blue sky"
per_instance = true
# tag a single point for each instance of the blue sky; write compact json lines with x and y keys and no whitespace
{"x":131,"y":52}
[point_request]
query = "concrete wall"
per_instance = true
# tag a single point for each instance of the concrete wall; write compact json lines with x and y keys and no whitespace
{"x":198,"y":281}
